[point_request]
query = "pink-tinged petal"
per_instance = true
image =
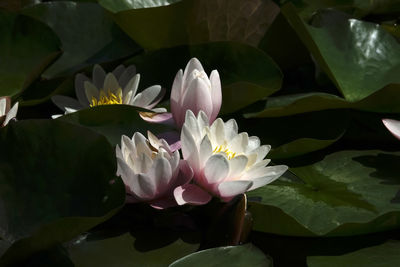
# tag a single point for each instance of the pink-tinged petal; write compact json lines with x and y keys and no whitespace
{"x":98,"y":76}
{"x":163,"y":118}
{"x":189,"y":148}
{"x":236,"y":166}
{"x":12,"y":113}
{"x":176,"y":95}
{"x":118,"y":71}
{"x":163,"y":203}
{"x":80,"y":80}
{"x":216,"y":169}
{"x":272,"y":173}
{"x":197,"y":97}
{"x":191,"y":194}
{"x":193,"y":64}
{"x":126,"y":76}
{"x":230,"y":189}
{"x":185,"y":174}
{"x":205,"y":150}
{"x":130,"y":199}
{"x":393,"y":126}
{"x":173,"y":140}
{"x":161,"y":173}
{"x":216,"y":94}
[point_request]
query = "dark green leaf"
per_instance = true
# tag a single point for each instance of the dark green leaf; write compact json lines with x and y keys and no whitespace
{"x":54,"y":184}
{"x":85,"y":30}
{"x":385,"y":100}
{"x":383,"y":255}
{"x":113,"y":121}
{"x":359,"y":57}
{"x":347,"y":193}
{"x":245,"y":255}
{"x":27,"y":46}
{"x":247,"y":73}
{"x":125,"y":250}
{"x":193,"y":21}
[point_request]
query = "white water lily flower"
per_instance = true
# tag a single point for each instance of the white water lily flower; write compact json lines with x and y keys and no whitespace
{"x":117,"y":87}
{"x":150,"y":170}
{"x":225,"y":163}
{"x":7,"y":113}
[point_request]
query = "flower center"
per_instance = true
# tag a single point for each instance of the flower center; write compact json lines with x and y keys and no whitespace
{"x":108,"y":98}
{"x":228,"y":153}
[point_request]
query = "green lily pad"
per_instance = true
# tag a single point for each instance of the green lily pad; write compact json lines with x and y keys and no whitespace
{"x":385,"y":100}
{"x":125,"y":251}
{"x":386,"y":254}
{"x":247,"y":74}
{"x":347,"y":193}
{"x":113,"y":121}
{"x":359,"y":57}
{"x":27,"y":47}
{"x":193,"y":21}
{"x":55,"y":184}
{"x":121,"y":5}
{"x":89,"y":32}
{"x":297,"y":135}
{"x":245,"y":255}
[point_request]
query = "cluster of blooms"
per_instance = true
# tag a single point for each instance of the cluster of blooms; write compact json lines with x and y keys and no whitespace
{"x":217,"y":160}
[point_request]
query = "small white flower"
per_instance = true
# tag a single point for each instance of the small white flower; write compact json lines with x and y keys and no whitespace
{"x":7,"y":114}
{"x":117,"y":87}
{"x":225,"y":163}
{"x":150,"y":170}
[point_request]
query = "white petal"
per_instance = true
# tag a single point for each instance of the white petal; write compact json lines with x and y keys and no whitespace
{"x":189,"y":148}
{"x":3,"y":104}
{"x":216,"y":169}
{"x":111,"y":83}
{"x":127,"y":75}
{"x":231,"y":129}
{"x":161,"y":172}
{"x":393,"y":126}
{"x":91,"y":91}
{"x":233,"y":188}
{"x":143,"y":186}
{"x":118,"y":71}
{"x":272,"y":173}
{"x":98,"y":76}
{"x":205,"y":150}
{"x":254,"y":142}
{"x":217,"y":131}
{"x":145,"y":98}
{"x":193,"y":64}
{"x":80,"y":80}
{"x":141,"y":144}
{"x":239,"y":143}
{"x":261,"y":151}
{"x":236,"y":166}
{"x":216,"y":93}
{"x":131,"y":87}
{"x":176,"y":95}
{"x":12,"y":113}
{"x":144,"y":164}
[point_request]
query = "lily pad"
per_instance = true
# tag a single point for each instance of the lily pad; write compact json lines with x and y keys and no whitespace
{"x":125,"y":251}
{"x":385,"y":100}
{"x":27,"y":47}
{"x":359,"y":57}
{"x":113,"y":121}
{"x":193,"y":21}
{"x":50,"y":192}
{"x":247,"y":74}
{"x":347,"y":193}
{"x":386,"y":254}
{"x":89,"y":32}
{"x":245,"y":255}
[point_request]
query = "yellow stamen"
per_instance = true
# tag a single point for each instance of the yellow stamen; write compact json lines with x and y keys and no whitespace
{"x":107,"y":98}
{"x":228,"y":153}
